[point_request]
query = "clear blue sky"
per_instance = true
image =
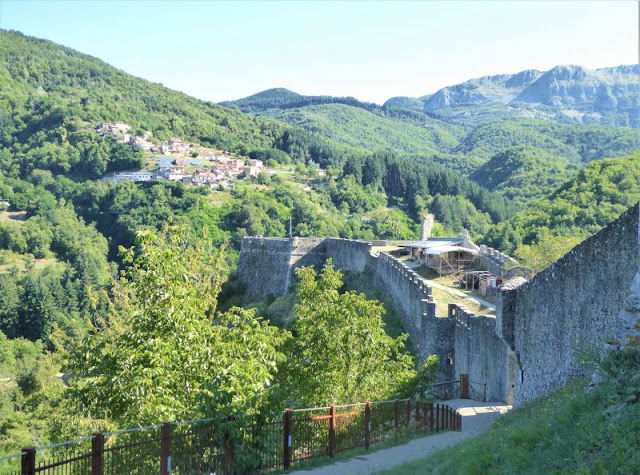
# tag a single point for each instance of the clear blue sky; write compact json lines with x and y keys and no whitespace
{"x":370,"y":50}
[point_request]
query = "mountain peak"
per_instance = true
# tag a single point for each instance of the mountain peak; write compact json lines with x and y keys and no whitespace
{"x":567,"y":73}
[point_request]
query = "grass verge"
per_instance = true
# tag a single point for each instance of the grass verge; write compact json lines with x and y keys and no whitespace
{"x":573,"y":430}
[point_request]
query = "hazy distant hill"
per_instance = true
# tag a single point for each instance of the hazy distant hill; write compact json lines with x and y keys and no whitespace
{"x":281,"y":98}
{"x":608,"y":96}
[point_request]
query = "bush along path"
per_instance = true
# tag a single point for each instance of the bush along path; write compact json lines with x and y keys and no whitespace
{"x":477,"y":417}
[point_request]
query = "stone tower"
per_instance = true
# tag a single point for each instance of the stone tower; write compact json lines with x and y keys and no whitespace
{"x":427,"y":226}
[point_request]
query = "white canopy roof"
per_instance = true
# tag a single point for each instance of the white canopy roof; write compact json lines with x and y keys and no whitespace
{"x":436,"y":251}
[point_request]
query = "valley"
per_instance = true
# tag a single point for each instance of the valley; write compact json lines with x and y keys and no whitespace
{"x":143,"y":230}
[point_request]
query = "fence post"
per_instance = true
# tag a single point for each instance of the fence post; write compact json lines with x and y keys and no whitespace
{"x":417,"y":412}
{"x":442,"y":416}
{"x":287,"y":439}
{"x":431,"y":428}
{"x":165,"y":449}
{"x":97,"y":454}
{"x":395,"y":415}
{"x":484,"y":393}
{"x":332,"y":430}
{"x":229,"y":449}
{"x":28,"y":463}
{"x":437,"y":417}
{"x":464,"y":386}
{"x":425,"y":407}
{"x":408,"y":411}
{"x":367,"y":425}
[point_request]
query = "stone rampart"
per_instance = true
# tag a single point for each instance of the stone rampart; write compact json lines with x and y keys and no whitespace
{"x":411,"y":296}
{"x":529,"y":349}
{"x":267,"y":265}
{"x":482,"y":354}
{"x":573,"y":302}
{"x":263,"y":265}
{"x":349,"y":255}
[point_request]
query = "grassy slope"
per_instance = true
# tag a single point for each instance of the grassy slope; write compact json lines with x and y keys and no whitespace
{"x":571,"y":431}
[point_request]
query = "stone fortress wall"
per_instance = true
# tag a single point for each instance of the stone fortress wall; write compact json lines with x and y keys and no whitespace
{"x":528,"y":349}
{"x":267,"y":266}
{"x":572,"y":303}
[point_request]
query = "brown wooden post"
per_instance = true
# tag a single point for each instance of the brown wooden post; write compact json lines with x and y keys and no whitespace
{"x":395,"y":415}
{"x":437,"y":417}
{"x":28,"y":463}
{"x":425,"y":408}
{"x":332,"y":430}
{"x":431,"y":427}
{"x":417,"y":412}
{"x":442,"y":418}
{"x":165,"y":449}
{"x":367,"y":425}
{"x":229,"y":449}
{"x":464,"y":386}
{"x":484,"y":393}
{"x":287,"y":439}
{"x":97,"y":454}
{"x":408,"y":411}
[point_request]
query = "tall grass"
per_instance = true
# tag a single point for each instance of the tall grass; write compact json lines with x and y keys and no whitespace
{"x":574,"y":430}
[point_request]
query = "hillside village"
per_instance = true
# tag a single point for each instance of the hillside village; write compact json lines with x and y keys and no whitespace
{"x":179,"y":160}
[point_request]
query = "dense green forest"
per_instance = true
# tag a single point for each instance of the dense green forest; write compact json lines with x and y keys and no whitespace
{"x":523,"y":172}
{"x":552,"y":225}
{"x":71,"y":295}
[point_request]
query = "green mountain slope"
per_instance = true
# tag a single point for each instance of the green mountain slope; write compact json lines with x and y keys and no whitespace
{"x":361,"y":128}
{"x":574,"y":142}
{"x":52,"y":96}
{"x":523,"y":172}
{"x":580,"y":207}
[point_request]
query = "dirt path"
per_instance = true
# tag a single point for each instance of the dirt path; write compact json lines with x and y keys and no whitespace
{"x":462,"y":295}
{"x":476,"y":418}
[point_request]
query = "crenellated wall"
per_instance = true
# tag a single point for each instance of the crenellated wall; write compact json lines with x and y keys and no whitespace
{"x":527,"y":350}
{"x":411,"y":296}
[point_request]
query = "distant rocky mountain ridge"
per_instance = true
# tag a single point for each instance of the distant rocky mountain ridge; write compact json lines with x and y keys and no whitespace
{"x":568,"y":94}
{"x":608,"y":96}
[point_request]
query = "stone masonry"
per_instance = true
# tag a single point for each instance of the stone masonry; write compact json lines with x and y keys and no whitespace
{"x":524,"y":352}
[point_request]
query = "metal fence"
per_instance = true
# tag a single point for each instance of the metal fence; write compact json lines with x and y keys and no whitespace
{"x":250,"y":444}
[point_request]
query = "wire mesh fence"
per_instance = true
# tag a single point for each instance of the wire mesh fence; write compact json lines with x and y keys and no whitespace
{"x":249,"y":444}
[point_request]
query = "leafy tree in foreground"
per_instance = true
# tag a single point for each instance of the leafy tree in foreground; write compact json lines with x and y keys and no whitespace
{"x":340,"y":352}
{"x":164,"y":352}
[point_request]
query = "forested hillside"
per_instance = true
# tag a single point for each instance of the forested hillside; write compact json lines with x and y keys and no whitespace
{"x":523,"y":172}
{"x":552,"y":225}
